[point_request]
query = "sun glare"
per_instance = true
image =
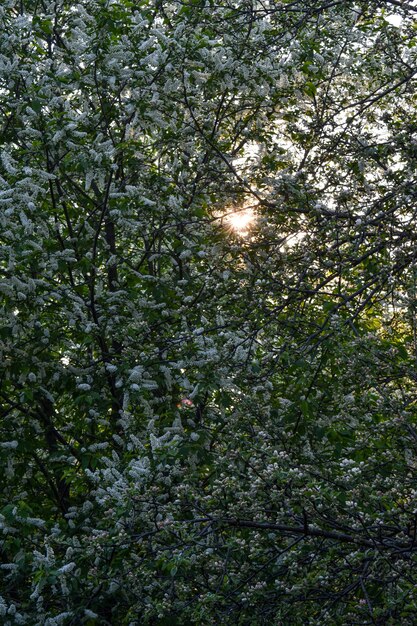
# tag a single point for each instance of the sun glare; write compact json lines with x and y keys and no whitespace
{"x":241,"y":221}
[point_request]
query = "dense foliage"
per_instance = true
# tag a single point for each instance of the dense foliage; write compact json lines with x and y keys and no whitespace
{"x":202,"y":424}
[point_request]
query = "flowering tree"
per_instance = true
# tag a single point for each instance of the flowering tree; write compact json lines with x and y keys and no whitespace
{"x":208,"y":419}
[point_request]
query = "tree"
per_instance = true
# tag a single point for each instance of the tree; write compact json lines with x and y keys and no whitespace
{"x":202,"y":424}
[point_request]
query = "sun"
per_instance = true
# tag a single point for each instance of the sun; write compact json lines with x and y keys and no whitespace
{"x":240,"y":221}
